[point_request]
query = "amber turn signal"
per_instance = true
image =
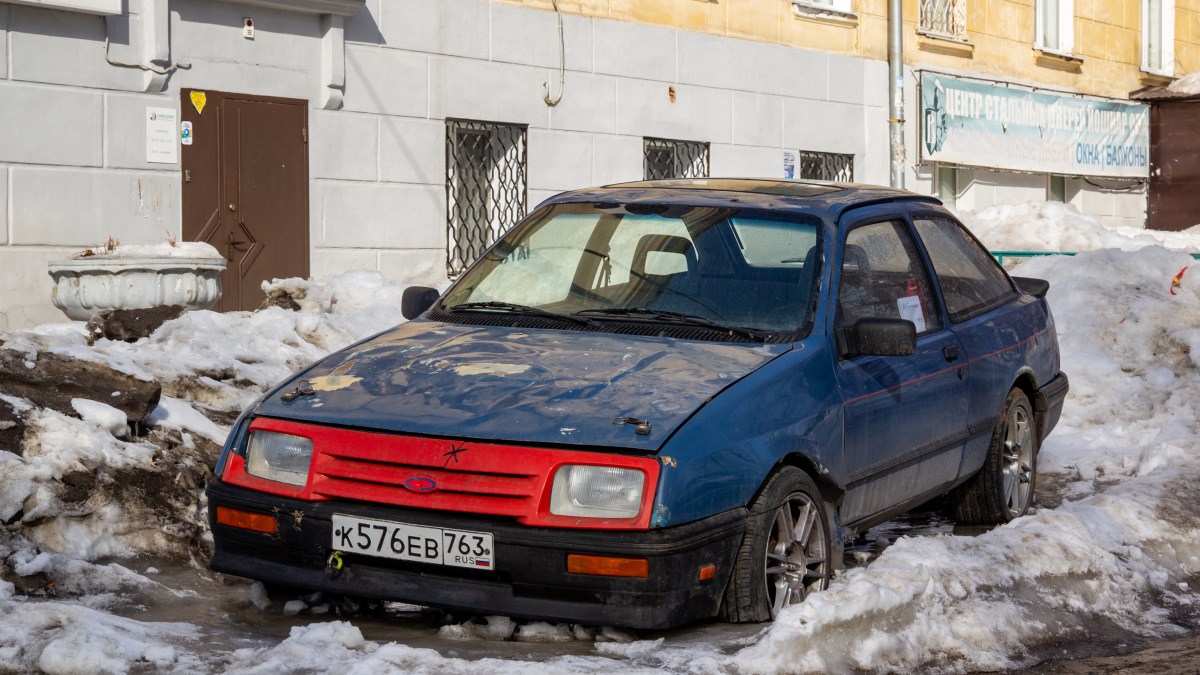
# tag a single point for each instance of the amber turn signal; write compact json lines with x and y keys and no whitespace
{"x":609,"y":567}
{"x":707,"y":572}
{"x":259,"y":522}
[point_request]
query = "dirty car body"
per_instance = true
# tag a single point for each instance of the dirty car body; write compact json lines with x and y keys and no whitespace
{"x":592,"y":424}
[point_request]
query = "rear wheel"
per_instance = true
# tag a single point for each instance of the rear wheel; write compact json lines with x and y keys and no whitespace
{"x":785,"y":553}
{"x":1003,"y":488}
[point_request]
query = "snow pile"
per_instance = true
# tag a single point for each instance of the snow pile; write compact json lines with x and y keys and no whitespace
{"x":1053,"y":226}
{"x":1117,"y":555}
{"x":1188,"y":84}
{"x":142,"y":493}
{"x":179,"y":249}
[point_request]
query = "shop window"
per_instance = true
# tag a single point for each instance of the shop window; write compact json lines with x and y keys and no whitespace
{"x":944,"y":18}
{"x":1056,"y":188}
{"x":485,"y":187}
{"x":1158,"y":36}
{"x":825,"y":166}
{"x":1055,"y":26}
{"x":947,"y":183}
{"x":663,"y":158}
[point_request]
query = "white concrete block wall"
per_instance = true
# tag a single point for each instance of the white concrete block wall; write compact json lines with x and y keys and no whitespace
{"x":1116,"y":203}
{"x":377,"y":165}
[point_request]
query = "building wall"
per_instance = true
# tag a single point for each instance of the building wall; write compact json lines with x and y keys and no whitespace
{"x":72,"y":130}
{"x":1000,"y":35}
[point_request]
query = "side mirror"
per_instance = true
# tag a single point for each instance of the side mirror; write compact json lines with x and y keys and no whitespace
{"x":883,"y":337}
{"x":416,"y":300}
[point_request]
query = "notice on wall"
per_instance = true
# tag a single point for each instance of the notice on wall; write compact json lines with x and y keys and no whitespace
{"x":185,"y":133}
{"x":980,"y":124}
{"x":789,"y":164}
{"x":162,"y":133}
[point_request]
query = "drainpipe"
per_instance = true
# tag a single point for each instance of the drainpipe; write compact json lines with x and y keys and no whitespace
{"x":896,"y":90}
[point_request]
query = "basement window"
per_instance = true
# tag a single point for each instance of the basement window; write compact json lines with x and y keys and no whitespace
{"x":664,"y":158}
{"x":486,"y":189}
{"x":825,"y":166}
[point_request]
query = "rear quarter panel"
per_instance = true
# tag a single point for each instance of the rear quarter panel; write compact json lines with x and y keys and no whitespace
{"x":1004,"y":344}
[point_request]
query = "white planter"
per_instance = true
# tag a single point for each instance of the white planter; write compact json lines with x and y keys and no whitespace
{"x":84,"y":287}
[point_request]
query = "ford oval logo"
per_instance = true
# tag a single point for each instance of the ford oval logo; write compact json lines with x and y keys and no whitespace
{"x":421,"y":484}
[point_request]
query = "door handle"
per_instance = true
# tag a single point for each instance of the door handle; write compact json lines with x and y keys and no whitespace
{"x":951,"y":352}
{"x":231,"y":245}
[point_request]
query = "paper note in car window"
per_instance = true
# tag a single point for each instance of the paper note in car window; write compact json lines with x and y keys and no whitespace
{"x":910,"y":308}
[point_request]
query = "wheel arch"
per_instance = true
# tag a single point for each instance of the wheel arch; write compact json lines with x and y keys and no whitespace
{"x":1027,"y":383}
{"x":831,"y":492}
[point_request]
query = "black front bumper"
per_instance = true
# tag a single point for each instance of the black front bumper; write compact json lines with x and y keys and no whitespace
{"x":530,"y":579}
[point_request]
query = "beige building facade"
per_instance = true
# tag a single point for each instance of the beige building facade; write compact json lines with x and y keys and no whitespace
{"x":406,"y":118}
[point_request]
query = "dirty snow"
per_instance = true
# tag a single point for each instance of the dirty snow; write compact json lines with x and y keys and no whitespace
{"x":1120,"y":552}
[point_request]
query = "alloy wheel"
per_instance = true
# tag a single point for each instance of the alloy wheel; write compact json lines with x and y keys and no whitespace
{"x":796,"y":562}
{"x":1017,"y":460}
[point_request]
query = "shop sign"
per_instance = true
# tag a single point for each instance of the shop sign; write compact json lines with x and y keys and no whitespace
{"x":978,"y":124}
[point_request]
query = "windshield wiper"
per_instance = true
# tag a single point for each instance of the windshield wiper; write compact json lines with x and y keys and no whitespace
{"x":521,"y":309}
{"x":676,"y":317}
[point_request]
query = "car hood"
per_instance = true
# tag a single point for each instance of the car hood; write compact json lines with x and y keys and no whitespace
{"x":518,"y":385}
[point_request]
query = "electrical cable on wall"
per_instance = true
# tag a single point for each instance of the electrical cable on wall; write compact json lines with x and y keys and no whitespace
{"x":160,"y":71}
{"x":562,"y":61}
{"x":1138,"y":185}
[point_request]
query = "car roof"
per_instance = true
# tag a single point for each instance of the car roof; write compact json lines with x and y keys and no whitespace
{"x":820,"y":198}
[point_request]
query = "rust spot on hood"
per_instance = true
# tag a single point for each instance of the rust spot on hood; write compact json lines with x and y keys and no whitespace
{"x":332,"y":382}
{"x":497,"y":369}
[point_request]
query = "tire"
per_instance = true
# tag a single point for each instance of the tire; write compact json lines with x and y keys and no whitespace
{"x":774,"y":568}
{"x":1003,"y":488}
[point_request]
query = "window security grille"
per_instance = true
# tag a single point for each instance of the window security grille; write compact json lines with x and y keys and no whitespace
{"x":947,"y":18}
{"x":674,"y":159}
{"x":485,"y":187}
{"x":825,"y":166}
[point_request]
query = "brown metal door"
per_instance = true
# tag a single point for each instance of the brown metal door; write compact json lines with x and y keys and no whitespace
{"x":245,"y":189}
{"x":1174,"y":200}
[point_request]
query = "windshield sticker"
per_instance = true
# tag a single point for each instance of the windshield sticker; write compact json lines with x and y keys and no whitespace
{"x":910,"y":308}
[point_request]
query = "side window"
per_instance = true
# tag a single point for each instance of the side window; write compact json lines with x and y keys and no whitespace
{"x":970,"y":277}
{"x":882,"y":278}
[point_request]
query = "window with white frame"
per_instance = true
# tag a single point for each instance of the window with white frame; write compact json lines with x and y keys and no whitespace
{"x":808,"y":6}
{"x":1055,"y":26}
{"x":1158,"y":36}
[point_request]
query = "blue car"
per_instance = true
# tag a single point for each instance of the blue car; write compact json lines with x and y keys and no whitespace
{"x":653,"y":403}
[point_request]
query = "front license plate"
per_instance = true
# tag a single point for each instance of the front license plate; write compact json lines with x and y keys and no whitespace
{"x":418,"y":543}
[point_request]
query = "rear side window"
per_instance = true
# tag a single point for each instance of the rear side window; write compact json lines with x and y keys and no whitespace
{"x":882,"y":278}
{"x":971,"y":279}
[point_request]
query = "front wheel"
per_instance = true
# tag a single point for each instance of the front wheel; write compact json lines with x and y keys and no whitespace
{"x":1003,"y":488}
{"x":785,"y":554}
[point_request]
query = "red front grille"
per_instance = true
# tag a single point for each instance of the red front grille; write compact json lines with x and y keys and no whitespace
{"x":469,"y":477}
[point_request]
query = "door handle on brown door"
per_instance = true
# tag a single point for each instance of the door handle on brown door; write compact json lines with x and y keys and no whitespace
{"x":231,"y":245}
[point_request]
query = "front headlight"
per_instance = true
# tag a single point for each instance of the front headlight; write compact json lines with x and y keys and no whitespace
{"x":596,"y":491}
{"x":283,"y":458}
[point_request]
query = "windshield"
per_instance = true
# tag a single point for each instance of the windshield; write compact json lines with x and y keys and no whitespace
{"x":734,"y":267}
